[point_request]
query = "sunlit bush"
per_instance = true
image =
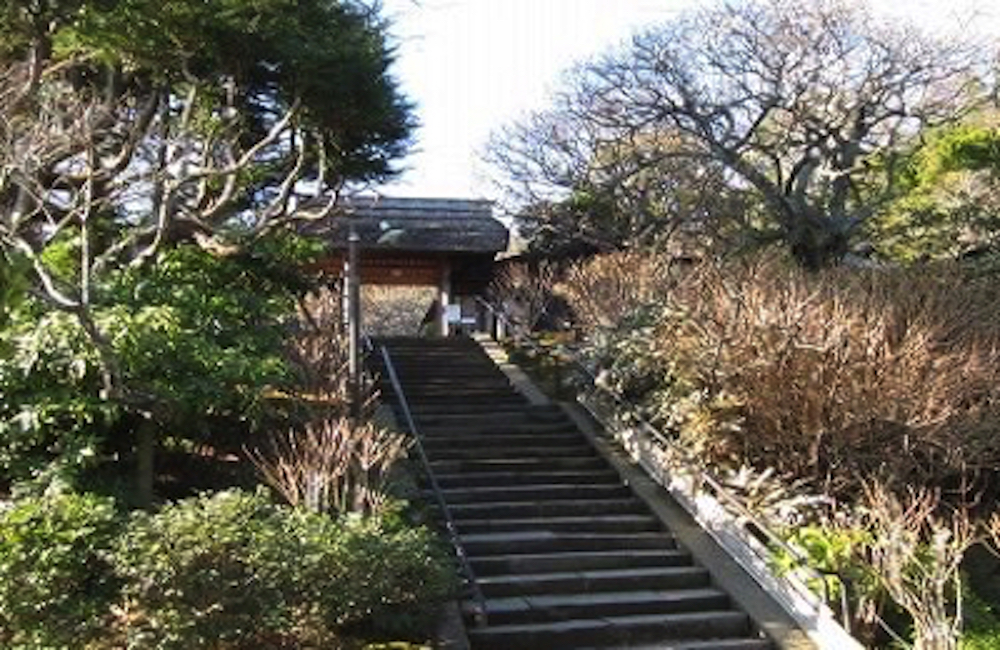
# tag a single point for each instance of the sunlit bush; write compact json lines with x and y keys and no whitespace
{"x":235,"y":570}
{"x":57,"y":586}
{"x":819,"y":375}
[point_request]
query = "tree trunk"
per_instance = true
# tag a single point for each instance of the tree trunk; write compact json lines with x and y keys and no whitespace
{"x":145,"y":449}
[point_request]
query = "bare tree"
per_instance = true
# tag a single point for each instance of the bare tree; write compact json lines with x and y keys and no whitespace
{"x":797,"y":102}
{"x":524,"y":291}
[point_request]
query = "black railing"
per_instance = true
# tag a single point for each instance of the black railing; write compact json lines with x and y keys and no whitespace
{"x":478,"y":610}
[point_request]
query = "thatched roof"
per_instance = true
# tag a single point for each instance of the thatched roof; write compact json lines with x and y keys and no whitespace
{"x":416,"y":225}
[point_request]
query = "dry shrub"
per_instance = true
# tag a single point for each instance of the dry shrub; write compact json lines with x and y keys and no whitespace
{"x":328,"y":462}
{"x":837,"y":381}
{"x":525,"y":291}
{"x":319,"y":353}
{"x":918,"y":556}
{"x":331,"y":465}
{"x":395,"y":311}
{"x":604,"y":290}
{"x":846,"y":375}
{"x":994,"y":531}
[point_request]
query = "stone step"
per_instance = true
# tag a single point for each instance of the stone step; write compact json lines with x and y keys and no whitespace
{"x":528,"y":509}
{"x":589,"y":524}
{"x":447,"y":392}
{"x":488,"y":465}
{"x":539,"y":413}
{"x":464,"y":407}
{"x":502,"y":428}
{"x":745,"y":643}
{"x":485,"y":479}
{"x":565,"y":554}
{"x":440,"y":368}
{"x":485,"y":417}
{"x":534,"y":542}
{"x":596,"y":580}
{"x":562,"y":607}
{"x":540,"y":492}
{"x":574,"y":449}
{"x":521,"y":563}
{"x":691,"y":630}
{"x":471,"y":441}
{"x":490,"y":416}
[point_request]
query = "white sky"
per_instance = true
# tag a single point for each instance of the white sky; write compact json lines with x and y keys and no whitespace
{"x":472,"y":66}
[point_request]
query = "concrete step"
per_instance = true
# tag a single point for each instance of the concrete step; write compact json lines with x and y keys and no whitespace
{"x":692,"y":630}
{"x":597,"y":580}
{"x":532,"y":542}
{"x":588,"y":524}
{"x":521,"y":563}
{"x":562,"y":607}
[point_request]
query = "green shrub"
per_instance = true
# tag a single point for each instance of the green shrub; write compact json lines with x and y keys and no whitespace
{"x":209,"y":569}
{"x":982,"y":623}
{"x":235,"y":570}
{"x":383,"y":578}
{"x":56,"y":583}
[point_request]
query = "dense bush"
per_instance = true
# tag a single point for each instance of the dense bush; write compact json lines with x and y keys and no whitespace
{"x":57,"y":585}
{"x":818,"y":375}
{"x":234,"y":569}
{"x":195,"y":340}
{"x":229,"y":570}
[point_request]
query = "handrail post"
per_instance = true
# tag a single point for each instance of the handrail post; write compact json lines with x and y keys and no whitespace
{"x":354,"y":319}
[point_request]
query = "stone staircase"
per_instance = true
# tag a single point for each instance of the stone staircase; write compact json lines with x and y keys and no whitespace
{"x":564,"y":553}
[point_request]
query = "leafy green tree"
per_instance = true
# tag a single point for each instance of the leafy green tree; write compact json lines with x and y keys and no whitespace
{"x":949,"y":202}
{"x":198,"y":339}
{"x":129,"y":128}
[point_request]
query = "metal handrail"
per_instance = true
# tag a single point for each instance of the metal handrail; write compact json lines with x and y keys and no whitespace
{"x":479,"y":614}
